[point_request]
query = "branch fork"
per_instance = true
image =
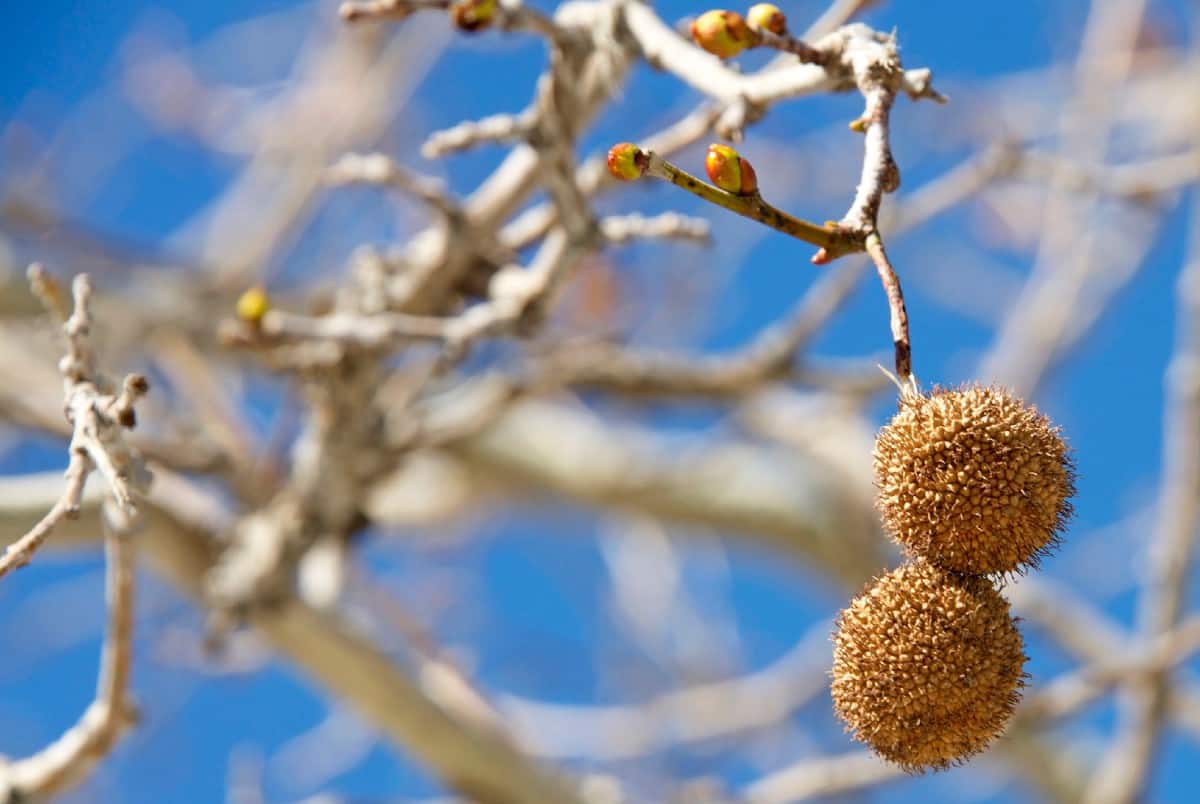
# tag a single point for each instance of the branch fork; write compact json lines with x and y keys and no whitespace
{"x":99,"y":418}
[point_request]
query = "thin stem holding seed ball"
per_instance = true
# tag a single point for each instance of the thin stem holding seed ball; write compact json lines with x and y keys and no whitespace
{"x":899,"y":313}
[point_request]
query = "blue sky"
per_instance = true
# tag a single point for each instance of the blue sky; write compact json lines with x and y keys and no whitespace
{"x":536,"y":588}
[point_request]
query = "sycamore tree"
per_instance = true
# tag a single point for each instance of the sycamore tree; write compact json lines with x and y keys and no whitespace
{"x":531,"y":456}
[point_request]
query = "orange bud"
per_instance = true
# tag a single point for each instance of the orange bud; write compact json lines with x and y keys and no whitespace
{"x":767,"y":17}
{"x":727,"y":170}
{"x":722,"y":33}
{"x":472,"y":15}
{"x":626,"y":161}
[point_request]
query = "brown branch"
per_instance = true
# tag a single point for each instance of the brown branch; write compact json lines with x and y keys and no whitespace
{"x":771,"y":355}
{"x":786,"y":43}
{"x":898,"y":313}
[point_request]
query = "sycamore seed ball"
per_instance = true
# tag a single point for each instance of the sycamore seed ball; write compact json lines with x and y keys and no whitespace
{"x":927,"y":666}
{"x":973,"y":480}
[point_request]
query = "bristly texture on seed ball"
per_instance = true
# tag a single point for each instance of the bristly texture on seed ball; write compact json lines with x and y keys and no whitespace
{"x":927,"y":666}
{"x":973,"y":480}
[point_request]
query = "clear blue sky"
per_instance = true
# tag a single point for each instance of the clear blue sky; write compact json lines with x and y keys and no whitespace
{"x":543,"y":590}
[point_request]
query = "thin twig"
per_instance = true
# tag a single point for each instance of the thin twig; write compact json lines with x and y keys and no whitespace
{"x":67,"y":761}
{"x":98,"y":419}
{"x":786,"y":43}
{"x":499,"y":128}
{"x":824,"y":776}
{"x":898,"y":313}
{"x":21,"y":552}
{"x":380,"y":169}
{"x":667,"y":226}
{"x":833,"y":241}
{"x":388,"y":9}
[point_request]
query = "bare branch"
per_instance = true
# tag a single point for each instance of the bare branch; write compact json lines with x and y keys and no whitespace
{"x":20,"y":553}
{"x":98,"y":418}
{"x":380,"y":169}
{"x":444,"y":732}
{"x":499,"y":128}
{"x":826,"y":776}
{"x":69,"y":759}
{"x":667,"y":226}
{"x":1122,"y":777}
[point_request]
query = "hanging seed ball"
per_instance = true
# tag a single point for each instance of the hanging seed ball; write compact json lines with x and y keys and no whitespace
{"x":973,"y":480}
{"x":927,"y":666}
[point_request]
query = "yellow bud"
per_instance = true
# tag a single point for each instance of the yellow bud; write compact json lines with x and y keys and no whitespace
{"x":768,"y":17}
{"x":722,"y":33}
{"x":626,"y":161}
{"x":472,"y":15}
{"x":253,"y":305}
{"x":729,"y":171}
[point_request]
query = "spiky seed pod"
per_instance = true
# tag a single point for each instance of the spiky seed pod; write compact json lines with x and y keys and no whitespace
{"x":729,"y":171}
{"x":768,"y":17}
{"x":722,"y":33}
{"x":626,"y":161}
{"x":472,"y":15}
{"x":927,"y":666}
{"x":973,"y":480}
{"x":252,"y":305}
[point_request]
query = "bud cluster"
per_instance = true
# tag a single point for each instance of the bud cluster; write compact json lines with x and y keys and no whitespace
{"x":725,"y":34}
{"x":975,"y":485}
